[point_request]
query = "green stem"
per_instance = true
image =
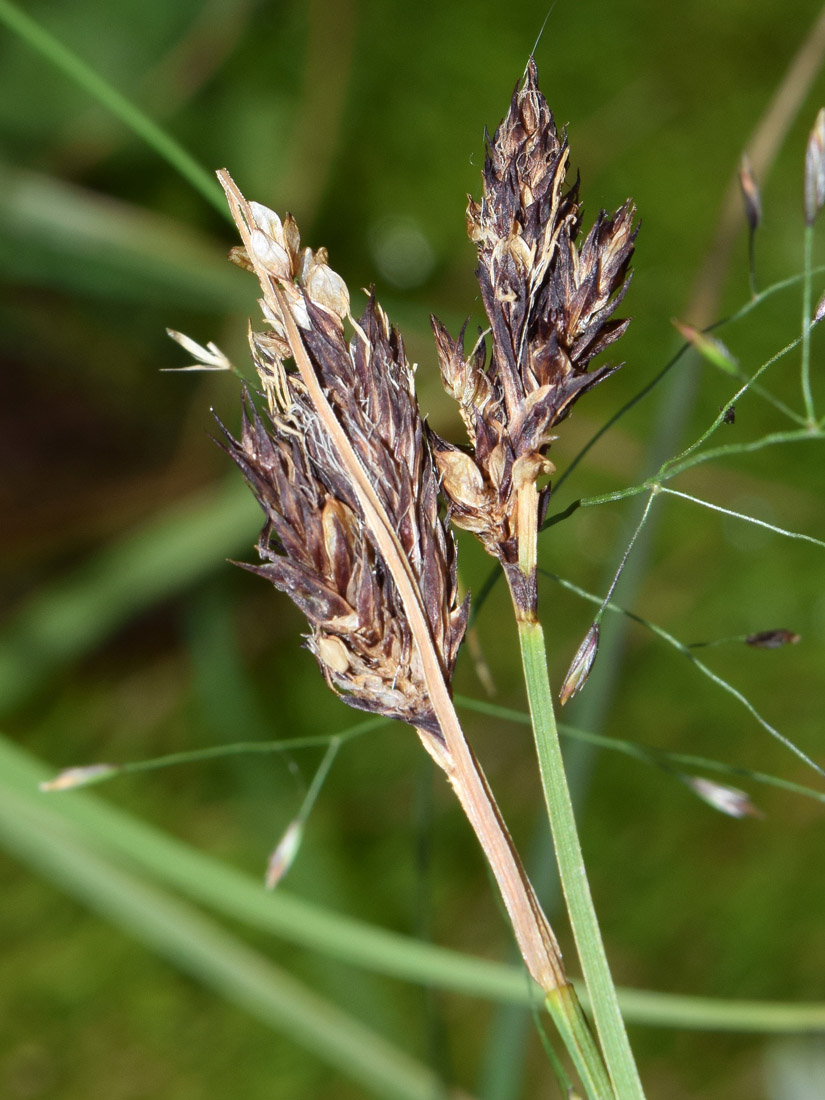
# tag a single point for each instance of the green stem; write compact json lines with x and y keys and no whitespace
{"x":752,"y":262}
{"x":806,"y":328}
{"x":600,"y":988}
{"x":131,"y":116}
{"x":318,"y":780}
{"x":566,"y":1012}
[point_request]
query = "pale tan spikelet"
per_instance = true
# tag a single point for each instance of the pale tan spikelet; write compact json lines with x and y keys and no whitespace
{"x":814,"y":193}
{"x":751,"y":195}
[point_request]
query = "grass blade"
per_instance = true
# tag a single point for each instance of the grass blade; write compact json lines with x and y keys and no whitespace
{"x":119,"y":835}
{"x":58,"y":234}
{"x":201,"y":948}
{"x":61,"y":57}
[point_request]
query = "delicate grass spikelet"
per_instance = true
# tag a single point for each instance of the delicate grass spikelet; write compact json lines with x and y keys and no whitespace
{"x":725,"y":799}
{"x":284,"y":853}
{"x":815,"y":169}
{"x":581,"y":665}
{"x":709,"y":347}
{"x":751,"y":195}
{"x":209,"y":358}
{"x":772,"y":639}
{"x":549,"y":301}
{"x":72,"y":778}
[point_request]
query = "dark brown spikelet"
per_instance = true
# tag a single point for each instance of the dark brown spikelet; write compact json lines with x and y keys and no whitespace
{"x":315,"y":545}
{"x":370,"y":386}
{"x":549,"y":300}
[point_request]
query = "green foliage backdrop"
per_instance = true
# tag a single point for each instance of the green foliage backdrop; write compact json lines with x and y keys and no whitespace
{"x":128,"y":635}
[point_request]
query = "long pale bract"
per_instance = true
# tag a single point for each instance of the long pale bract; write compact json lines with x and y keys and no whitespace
{"x":284,"y":307}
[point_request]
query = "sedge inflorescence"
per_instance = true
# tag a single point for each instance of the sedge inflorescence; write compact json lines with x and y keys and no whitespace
{"x":317,"y":545}
{"x":550,"y":302}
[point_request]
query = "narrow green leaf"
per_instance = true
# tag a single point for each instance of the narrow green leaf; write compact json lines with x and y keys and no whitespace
{"x":57,"y":234}
{"x":116,"y":834}
{"x":61,"y":57}
{"x":201,"y":948}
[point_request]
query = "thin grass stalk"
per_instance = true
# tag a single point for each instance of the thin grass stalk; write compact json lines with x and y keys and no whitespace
{"x":601,"y":991}
{"x":807,"y":295}
{"x":53,"y":51}
{"x":604,"y":1003}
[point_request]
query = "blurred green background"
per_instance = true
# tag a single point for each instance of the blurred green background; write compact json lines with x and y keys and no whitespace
{"x":128,"y":635}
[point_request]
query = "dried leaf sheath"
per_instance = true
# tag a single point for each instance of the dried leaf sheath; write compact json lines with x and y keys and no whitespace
{"x":549,"y":302}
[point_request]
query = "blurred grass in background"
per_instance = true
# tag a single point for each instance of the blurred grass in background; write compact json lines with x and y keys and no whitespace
{"x":366,"y":121}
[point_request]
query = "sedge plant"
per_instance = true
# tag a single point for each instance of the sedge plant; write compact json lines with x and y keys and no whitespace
{"x":359,"y":493}
{"x":354,"y":487}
